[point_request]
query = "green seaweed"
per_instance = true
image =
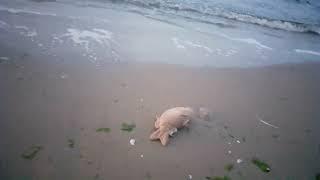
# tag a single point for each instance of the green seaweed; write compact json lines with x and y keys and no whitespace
{"x":31,"y":152}
{"x":317,"y":176}
{"x":261,"y":165}
{"x":127,"y":127}
{"x":106,"y":130}
{"x":71,"y":143}
{"x":218,"y":178}
{"x":229,"y":167}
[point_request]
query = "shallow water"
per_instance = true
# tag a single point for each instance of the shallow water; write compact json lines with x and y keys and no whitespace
{"x":121,"y":32}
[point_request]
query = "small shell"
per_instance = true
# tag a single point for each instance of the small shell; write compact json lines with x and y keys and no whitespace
{"x":132,"y":142}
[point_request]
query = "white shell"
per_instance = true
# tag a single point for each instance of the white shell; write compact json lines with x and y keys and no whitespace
{"x":132,"y":142}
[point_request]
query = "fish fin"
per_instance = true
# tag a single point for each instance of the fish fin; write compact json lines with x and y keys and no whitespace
{"x":155,"y":135}
{"x":186,"y":123}
{"x":164,"y":138}
{"x":157,"y":123}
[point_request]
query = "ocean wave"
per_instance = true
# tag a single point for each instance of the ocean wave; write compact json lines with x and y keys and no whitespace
{"x":271,"y":23}
{"x":203,"y":13}
{"x":26,"y":11}
{"x":307,"y":52}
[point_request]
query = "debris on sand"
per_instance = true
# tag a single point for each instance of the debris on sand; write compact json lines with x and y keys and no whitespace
{"x":229,"y":152}
{"x":218,"y":178}
{"x":229,"y":167}
{"x":127,"y":127}
{"x":105,"y":130}
{"x":132,"y":142}
{"x":31,"y":152}
{"x":266,"y":123}
{"x":63,"y":75}
{"x":239,"y":161}
{"x":261,"y":165}
{"x":71,"y":143}
{"x":170,"y":121}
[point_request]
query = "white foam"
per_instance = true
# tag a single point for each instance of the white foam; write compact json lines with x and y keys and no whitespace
{"x":4,"y":58}
{"x":3,"y":24}
{"x":245,"y":40}
{"x":183,"y":43}
{"x":177,"y":44}
{"x":22,"y":27}
{"x":27,"y":32}
{"x":307,"y":52}
{"x":84,"y":37}
{"x":252,"y":41}
{"x":17,"y":11}
{"x":199,"y":46}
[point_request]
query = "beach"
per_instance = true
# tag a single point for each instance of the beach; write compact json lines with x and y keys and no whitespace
{"x":67,"y":89}
{"x":48,"y":102}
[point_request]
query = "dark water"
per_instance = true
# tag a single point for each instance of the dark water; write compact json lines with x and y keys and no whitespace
{"x":198,"y":33}
{"x":291,"y":15}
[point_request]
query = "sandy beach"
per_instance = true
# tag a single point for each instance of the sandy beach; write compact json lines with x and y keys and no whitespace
{"x":81,"y":80}
{"x":47,"y":103}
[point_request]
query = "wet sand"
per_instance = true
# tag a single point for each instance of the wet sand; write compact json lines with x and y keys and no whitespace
{"x":46,"y":102}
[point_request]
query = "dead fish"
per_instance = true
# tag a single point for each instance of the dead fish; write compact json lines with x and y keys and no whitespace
{"x":170,"y":121}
